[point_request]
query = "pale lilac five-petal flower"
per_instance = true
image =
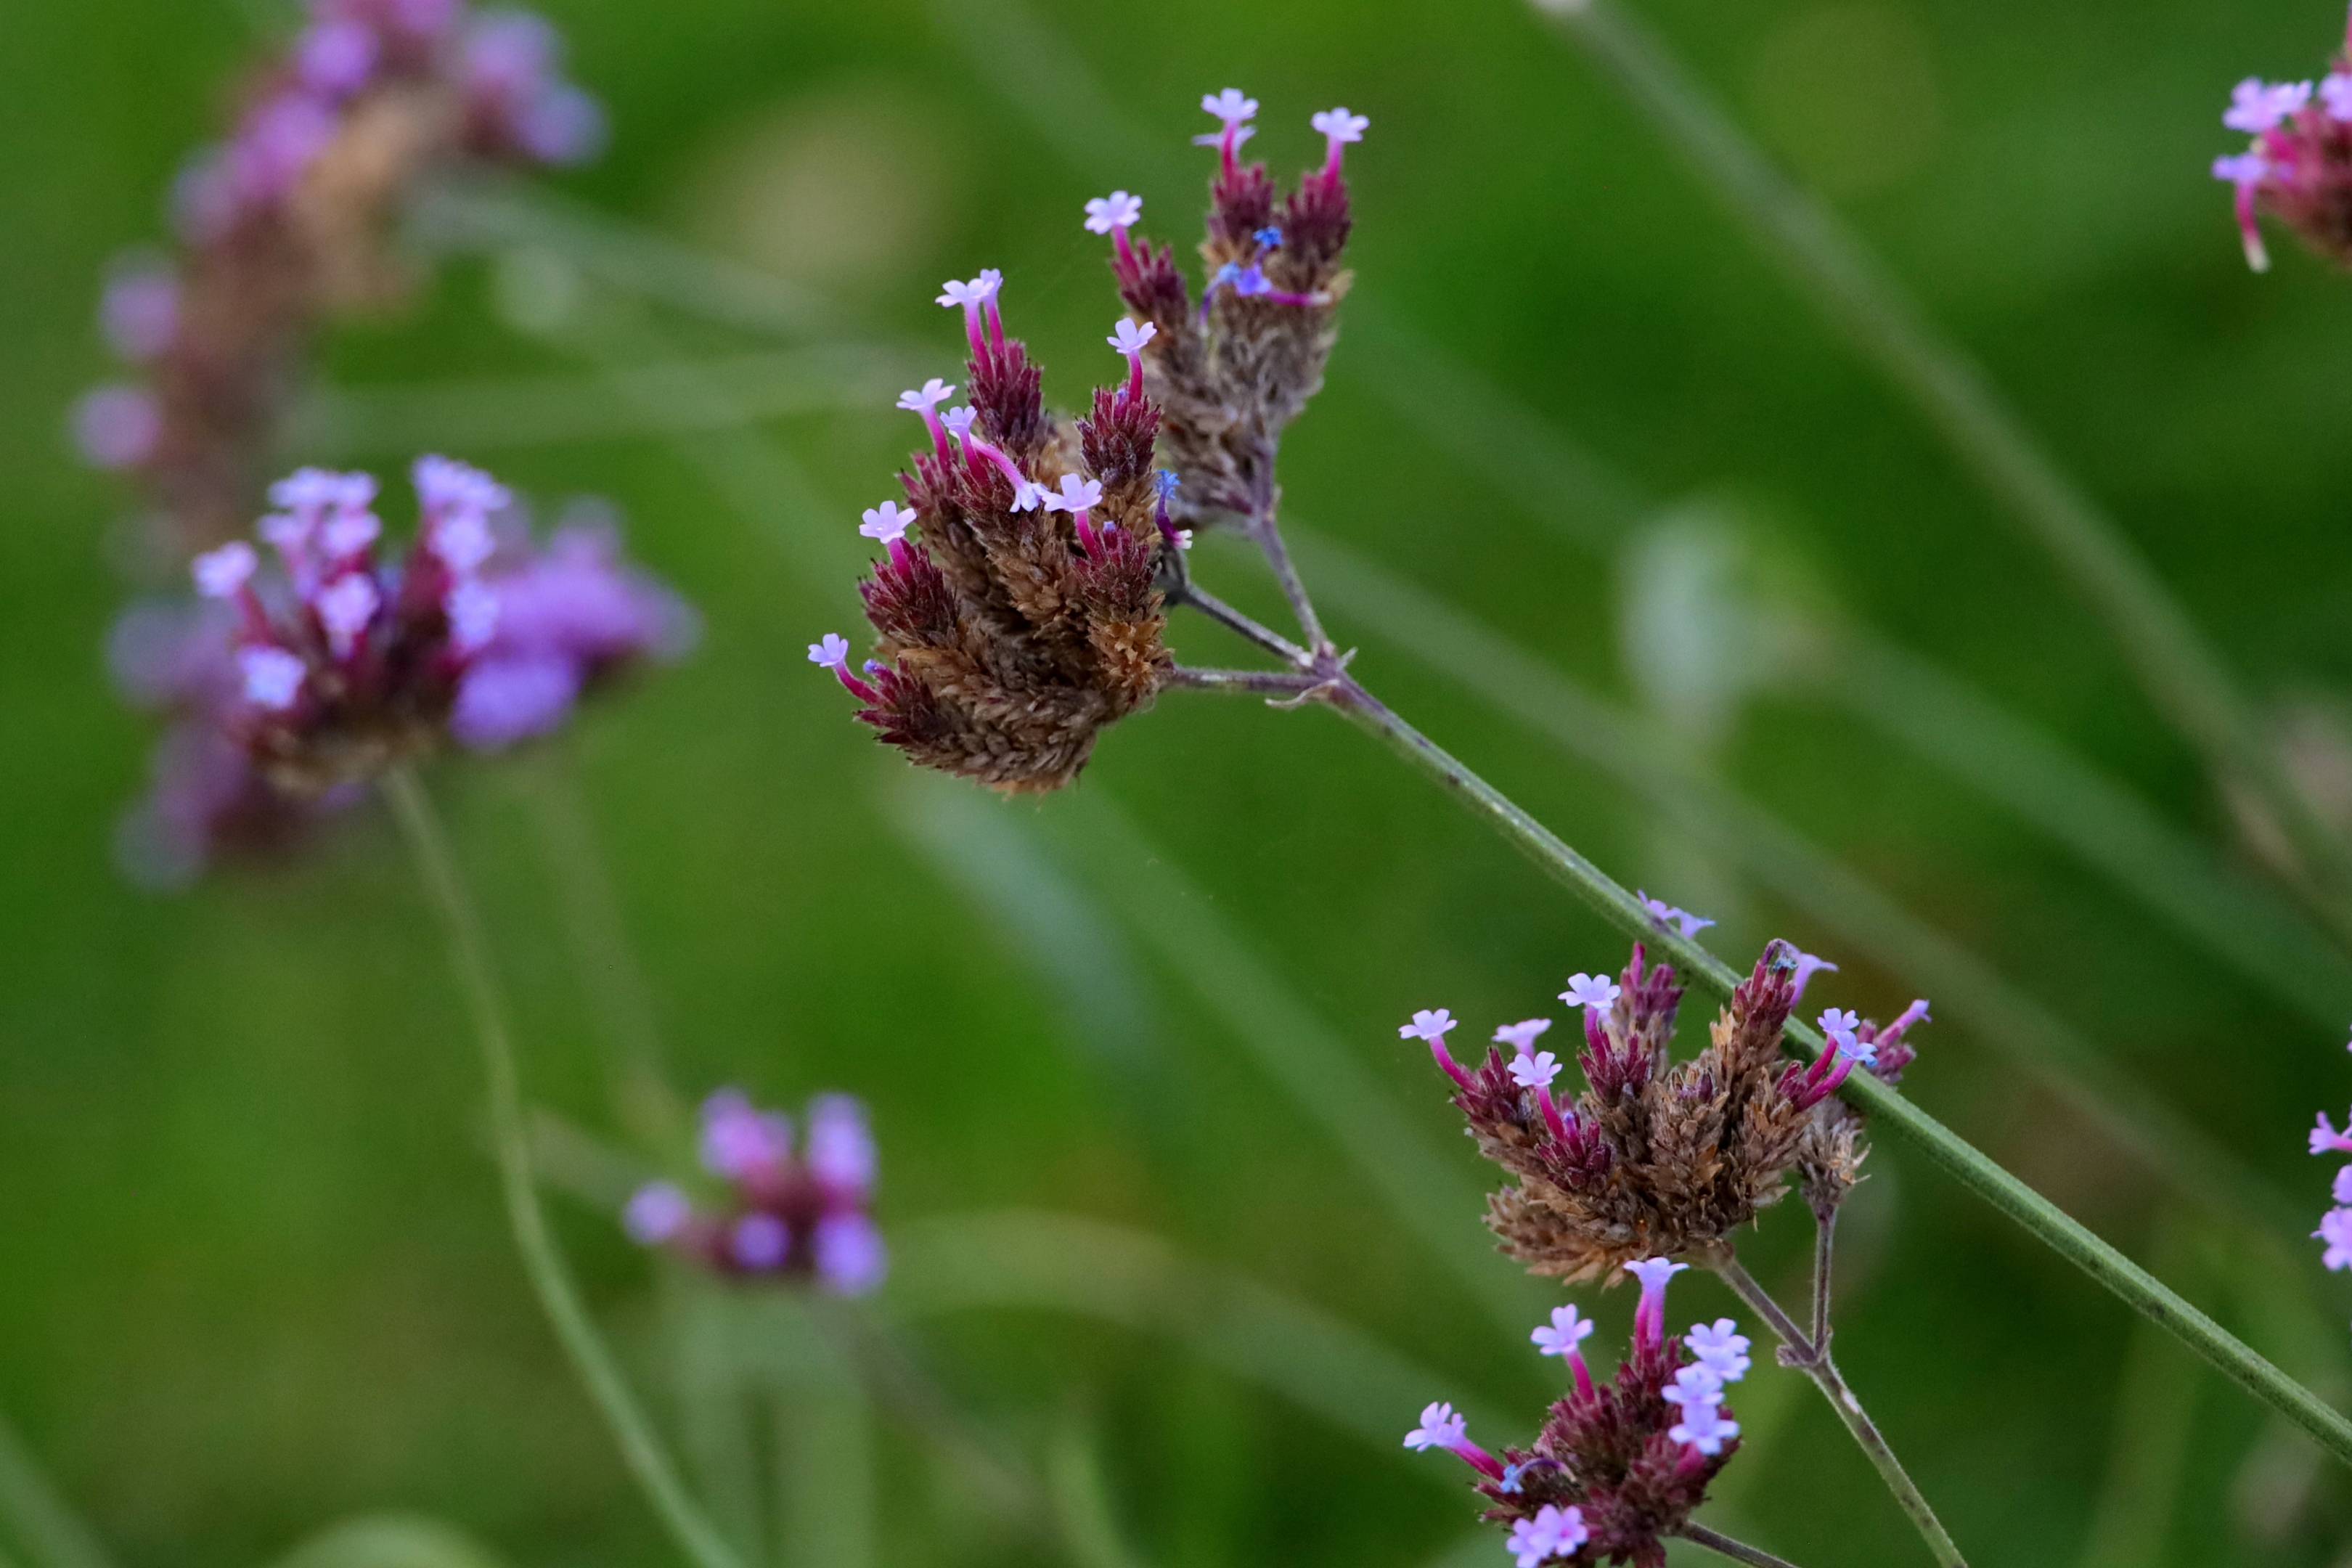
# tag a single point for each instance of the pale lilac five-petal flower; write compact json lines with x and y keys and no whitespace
{"x":1696,"y":1384}
{"x":1128,"y":339}
{"x":2255,"y":108}
{"x":1590,"y":990}
{"x":345,"y":608}
{"x":1554,"y":1531}
{"x":887,"y":523}
{"x":220,"y":574}
{"x":932,"y":393}
{"x":1117,"y":210}
{"x":1076,"y":495}
{"x":273,"y":677}
{"x":1720,"y":1347}
{"x":1686,"y":924}
{"x":970,"y":295}
{"x":1521,"y":1036}
{"x":1569,"y":1329}
{"x":2336,"y":95}
{"x":1339,"y":125}
{"x":2325,"y":1140}
{"x":1536,"y":1071}
{"x":2336,"y":1229}
{"x":1232,"y":106}
{"x":1439,"y":1428}
{"x":1427,"y":1026}
{"x":1704,"y":1428}
{"x":2243,"y":168}
{"x":833,"y":652}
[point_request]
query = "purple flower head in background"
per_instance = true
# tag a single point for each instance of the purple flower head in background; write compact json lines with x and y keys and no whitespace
{"x":2297,"y":167}
{"x":787,"y":1209}
{"x":325,"y":659}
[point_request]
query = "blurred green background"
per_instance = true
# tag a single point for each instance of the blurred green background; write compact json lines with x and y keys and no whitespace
{"x":253,"y":1276}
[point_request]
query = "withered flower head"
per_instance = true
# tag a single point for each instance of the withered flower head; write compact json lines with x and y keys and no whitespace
{"x":1657,"y":1158}
{"x":1617,"y":1467}
{"x":1027,"y":617}
{"x":286,"y":222}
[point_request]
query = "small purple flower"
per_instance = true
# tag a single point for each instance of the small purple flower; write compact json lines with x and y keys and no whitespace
{"x":346,"y":608}
{"x":335,"y":56}
{"x":1554,"y":1531}
{"x":1704,"y":1428}
{"x":656,"y":1212}
{"x":1536,"y":1071}
{"x":508,"y":698}
{"x":2255,"y":108}
{"x":1697,"y":1383}
{"x":2335,"y":96}
{"x":140,"y":312}
{"x":223,"y":574}
{"x":2336,"y":1229}
{"x":740,"y":1140}
{"x":1590,"y":990}
{"x":1442,"y":1428}
{"x":2343,"y":1189}
{"x":1650,"y":1313}
{"x":887,"y":523}
{"x":851,"y":1259}
{"x":1806,"y":967}
{"x":761,"y":1242}
{"x":1432,"y":1027}
{"x":1667,"y":917}
{"x":841,"y":1153}
{"x":1720,"y":1347}
{"x":832,"y":653}
{"x":2325,"y":1140}
{"x":273,"y":677}
{"x":1568,"y":1330}
{"x":1230,"y":105}
{"x":1117,"y":210}
{"x":1521,"y":1036}
{"x":117,"y":426}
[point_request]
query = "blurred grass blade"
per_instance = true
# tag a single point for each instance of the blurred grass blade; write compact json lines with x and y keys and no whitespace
{"x":1966,"y":989}
{"x":715,"y":1418}
{"x":43,"y":1523}
{"x":2154,"y":1417}
{"x":1082,"y":1498}
{"x":1435,"y":1192}
{"x":2176,"y":665}
{"x":391,"y":1541}
{"x":539,"y":410}
{"x":821,"y":1429}
{"x":489,"y":216}
{"x":1982,"y":745}
{"x":1019,"y":1258}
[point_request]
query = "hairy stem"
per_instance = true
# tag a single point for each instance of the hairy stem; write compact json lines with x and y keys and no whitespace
{"x":1959,"y":1158}
{"x":1825,"y":1255}
{"x":1273,"y":683}
{"x":1812,"y":1357}
{"x":1738,"y":1550}
{"x":1234,"y":621}
{"x":2180,"y":670}
{"x":640,"y":1447}
{"x":1268,"y":535}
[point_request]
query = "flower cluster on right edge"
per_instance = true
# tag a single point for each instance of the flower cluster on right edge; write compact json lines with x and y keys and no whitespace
{"x":1617,"y":1467}
{"x":2298,"y":168}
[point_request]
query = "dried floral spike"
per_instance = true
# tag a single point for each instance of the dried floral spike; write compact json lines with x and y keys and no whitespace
{"x":285,"y":223}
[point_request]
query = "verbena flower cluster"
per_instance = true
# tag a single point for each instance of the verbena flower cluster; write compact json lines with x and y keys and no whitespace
{"x":301,"y":675}
{"x":2335,"y":1225}
{"x":1617,"y":1467}
{"x":1027,"y":610}
{"x":2298,"y":168}
{"x":286,"y":221}
{"x":781,"y":1212}
{"x":1655,"y":1158}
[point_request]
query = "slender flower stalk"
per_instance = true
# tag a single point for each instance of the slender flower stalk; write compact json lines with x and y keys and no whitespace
{"x":550,"y":1278}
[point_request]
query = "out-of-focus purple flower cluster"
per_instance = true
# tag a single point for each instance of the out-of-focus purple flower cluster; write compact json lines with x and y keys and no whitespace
{"x":285,"y":220}
{"x":785,"y":1213}
{"x":2298,"y":167}
{"x":1617,"y":1467}
{"x":2335,"y":1225}
{"x":298,"y":678}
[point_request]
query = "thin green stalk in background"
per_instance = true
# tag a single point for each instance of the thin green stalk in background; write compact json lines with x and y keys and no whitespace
{"x":43,"y":1523}
{"x":641,"y":1447}
{"x":2181,"y":671}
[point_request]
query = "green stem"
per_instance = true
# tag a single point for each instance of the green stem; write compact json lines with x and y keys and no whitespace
{"x":1812,"y":1357}
{"x":640,"y":1448}
{"x":1970,"y":1166}
{"x":2182,"y":672}
{"x":44,"y":1524}
{"x":1738,"y":1550}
